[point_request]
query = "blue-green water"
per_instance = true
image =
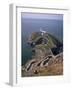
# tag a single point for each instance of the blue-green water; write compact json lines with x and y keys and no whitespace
{"x":26,"y":53}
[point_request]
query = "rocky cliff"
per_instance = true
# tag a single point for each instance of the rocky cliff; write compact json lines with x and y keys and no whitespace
{"x":47,"y":56}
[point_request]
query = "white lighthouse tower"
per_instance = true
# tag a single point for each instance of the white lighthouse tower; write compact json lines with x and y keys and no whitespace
{"x":42,"y":31}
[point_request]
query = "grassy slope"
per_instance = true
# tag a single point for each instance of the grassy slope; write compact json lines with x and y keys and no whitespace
{"x":55,"y":68}
{"x":51,"y":43}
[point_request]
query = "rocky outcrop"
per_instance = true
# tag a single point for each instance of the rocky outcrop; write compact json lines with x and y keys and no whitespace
{"x":37,"y":38}
{"x":47,"y":56}
{"x":47,"y":66}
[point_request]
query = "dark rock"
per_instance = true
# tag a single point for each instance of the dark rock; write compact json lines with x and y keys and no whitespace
{"x":35,"y":72}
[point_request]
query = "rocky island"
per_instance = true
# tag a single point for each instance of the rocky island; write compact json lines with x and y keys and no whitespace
{"x":47,"y":55}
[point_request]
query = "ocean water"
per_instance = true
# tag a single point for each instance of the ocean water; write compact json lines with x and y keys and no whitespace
{"x":55,"y":27}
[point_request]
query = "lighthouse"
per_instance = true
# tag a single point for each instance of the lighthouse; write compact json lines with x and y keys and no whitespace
{"x":42,"y":31}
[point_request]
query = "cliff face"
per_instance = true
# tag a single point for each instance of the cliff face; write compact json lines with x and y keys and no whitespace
{"x":47,"y":66}
{"x":44,"y":44}
{"x":47,"y":56}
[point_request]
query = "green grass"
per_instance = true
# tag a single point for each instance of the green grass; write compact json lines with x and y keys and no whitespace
{"x":50,"y":44}
{"x":52,"y":41}
{"x":41,"y":46}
